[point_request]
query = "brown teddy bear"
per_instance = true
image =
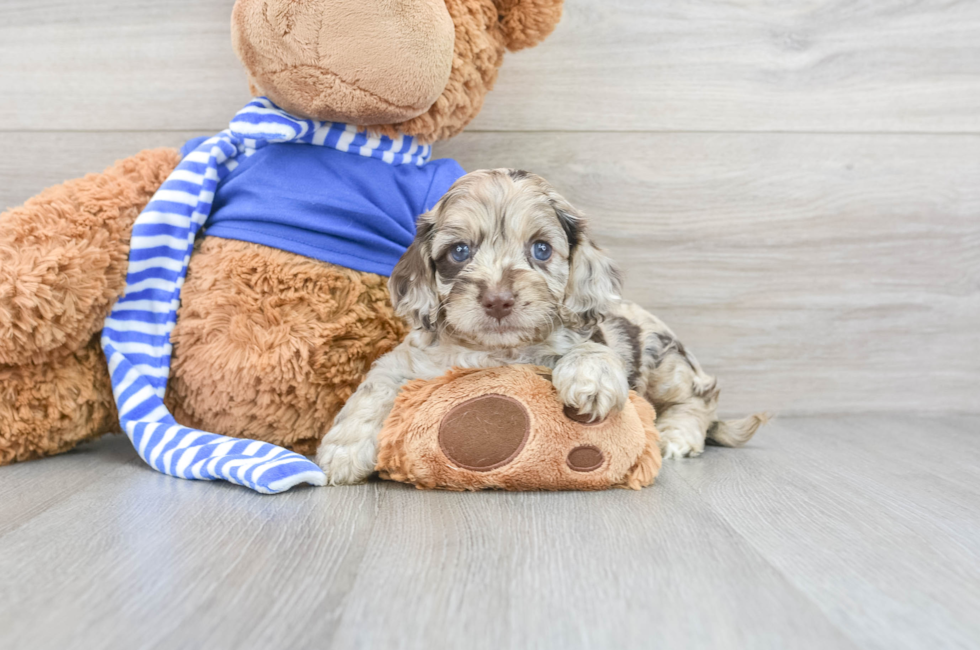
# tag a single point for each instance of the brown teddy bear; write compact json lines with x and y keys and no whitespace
{"x":269,"y":343}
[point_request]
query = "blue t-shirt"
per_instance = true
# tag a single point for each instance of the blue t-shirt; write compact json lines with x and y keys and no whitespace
{"x":331,"y":205}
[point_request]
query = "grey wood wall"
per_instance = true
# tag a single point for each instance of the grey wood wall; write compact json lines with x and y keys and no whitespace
{"x":793,"y":186}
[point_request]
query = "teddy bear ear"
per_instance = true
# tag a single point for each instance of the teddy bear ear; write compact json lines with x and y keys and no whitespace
{"x":526,"y":23}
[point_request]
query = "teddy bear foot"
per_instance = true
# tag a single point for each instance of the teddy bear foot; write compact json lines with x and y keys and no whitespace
{"x":48,"y":408}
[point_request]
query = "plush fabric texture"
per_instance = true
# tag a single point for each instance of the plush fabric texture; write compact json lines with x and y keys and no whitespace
{"x":505,"y":428}
{"x":525,"y":23}
{"x":484,"y":30}
{"x":268,"y":344}
{"x":378,"y":62}
{"x":47,"y":408}
{"x":63,"y":257}
{"x":418,"y":67}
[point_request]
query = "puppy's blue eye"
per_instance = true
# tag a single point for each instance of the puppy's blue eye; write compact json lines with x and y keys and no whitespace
{"x":541,"y":250}
{"x":459,"y":252}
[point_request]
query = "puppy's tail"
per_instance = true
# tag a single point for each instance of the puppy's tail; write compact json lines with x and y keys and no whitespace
{"x":735,"y":433}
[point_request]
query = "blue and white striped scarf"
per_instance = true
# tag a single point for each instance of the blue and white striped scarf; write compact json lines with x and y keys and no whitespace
{"x":136,"y":337}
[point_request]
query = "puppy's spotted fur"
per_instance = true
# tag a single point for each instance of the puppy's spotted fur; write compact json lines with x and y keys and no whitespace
{"x":503,"y":271}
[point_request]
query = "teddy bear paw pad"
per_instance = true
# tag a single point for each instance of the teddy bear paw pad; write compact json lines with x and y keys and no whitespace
{"x":586,"y":458}
{"x":485,"y":432}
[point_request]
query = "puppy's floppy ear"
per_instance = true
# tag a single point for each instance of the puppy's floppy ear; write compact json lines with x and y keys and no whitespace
{"x":526,"y":23}
{"x":412,"y":283}
{"x":594,"y":281}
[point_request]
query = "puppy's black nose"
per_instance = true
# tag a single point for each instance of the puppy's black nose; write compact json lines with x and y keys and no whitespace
{"x":498,"y":304}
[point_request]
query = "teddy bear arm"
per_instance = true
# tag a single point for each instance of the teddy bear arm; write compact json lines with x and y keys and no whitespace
{"x":64,"y":254}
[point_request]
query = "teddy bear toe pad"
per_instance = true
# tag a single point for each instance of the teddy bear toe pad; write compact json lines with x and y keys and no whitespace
{"x":485,"y":432}
{"x":586,"y":458}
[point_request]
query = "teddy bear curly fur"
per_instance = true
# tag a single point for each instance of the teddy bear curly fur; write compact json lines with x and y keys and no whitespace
{"x":268,"y":344}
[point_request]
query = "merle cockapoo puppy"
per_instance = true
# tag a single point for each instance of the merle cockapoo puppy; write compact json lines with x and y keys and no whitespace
{"x":503,"y":271}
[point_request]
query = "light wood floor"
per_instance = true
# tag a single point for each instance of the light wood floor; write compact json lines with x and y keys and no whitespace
{"x":834,"y":532}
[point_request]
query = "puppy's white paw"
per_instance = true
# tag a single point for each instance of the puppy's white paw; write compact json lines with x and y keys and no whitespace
{"x":347,"y":464}
{"x":680,"y":443}
{"x":593,"y":384}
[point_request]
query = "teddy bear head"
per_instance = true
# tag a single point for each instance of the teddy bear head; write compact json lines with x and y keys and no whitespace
{"x":418,"y":67}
